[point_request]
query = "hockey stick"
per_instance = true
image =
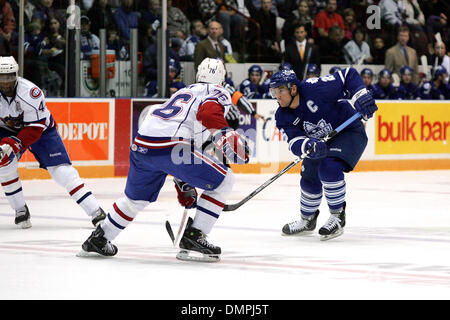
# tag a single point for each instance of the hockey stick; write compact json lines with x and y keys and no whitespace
{"x":176,"y":240}
{"x":232,"y":207}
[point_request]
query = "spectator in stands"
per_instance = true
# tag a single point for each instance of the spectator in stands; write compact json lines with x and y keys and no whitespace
{"x":436,"y":89}
{"x":198,"y":33}
{"x":299,"y":53}
{"x":149,"y":22}
{"x":101,"y":17}
{"x":44,"y":10}
{"x":393,"y":15}
{"x":331,"y":47}
{"x":326,"y":19}
{"x":316,"y":6}
{"x":151,"y":88}
{"x":357,"y":51}
{"x":401,"y":55}
{"x":150,"y":63}
{"x":267,"y":41}
{"x":302,"y":15}
{"x":367,"y":76}
{"x":27,"y":10}
{"x":126,"y":19}
{"x":254,"y":87}
{"x":35,"y":64}
{"x":211,"y":46}
{"x":7,"y":28}
{"x":233,"y":24}
{"x":415,"y":20}
{"x":384,"y":88}
{"x":378,"y":50}
{"x":113,"y":42}
{"x":256,"y":4}
{"x":406,"y":89}
{"x":89,"y":41}
{"x":439,"y":24}
{"x":349,"y":23}
{"x":178,"y":24}
{"x":439,"y":57}
{"x":207,"y":10}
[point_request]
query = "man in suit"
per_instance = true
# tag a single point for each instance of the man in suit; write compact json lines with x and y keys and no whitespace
{"x":401,"y":55}
{"x":211,"y":47}
{"x":300,"y":52}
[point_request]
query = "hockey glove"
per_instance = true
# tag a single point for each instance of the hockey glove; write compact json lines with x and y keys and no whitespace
{"x":232,"y":144}
{"x":187,"y":195}
{"x":364,"y":104}
{"x":9,"y":148}
{"x":314,"y":148}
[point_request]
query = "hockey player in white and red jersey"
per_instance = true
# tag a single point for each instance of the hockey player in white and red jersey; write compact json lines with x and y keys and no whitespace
{"x":26,"y":123}
{"x":166,"y":144}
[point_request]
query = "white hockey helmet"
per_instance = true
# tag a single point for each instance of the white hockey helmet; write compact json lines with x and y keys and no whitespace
{"x":9,"y":69}
{"x":211,"y":71}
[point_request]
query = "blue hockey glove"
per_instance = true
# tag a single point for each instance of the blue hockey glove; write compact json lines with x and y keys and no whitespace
{"x":364,"y":104}
{"x":314,"y":148}
{"x":187,"y":195}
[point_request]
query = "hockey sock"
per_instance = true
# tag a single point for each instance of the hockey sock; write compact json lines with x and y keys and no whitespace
{"x":12,"y":186}
{"x":331,"y":173}
{"x":209,"y":207}
{"x":311,"y":196}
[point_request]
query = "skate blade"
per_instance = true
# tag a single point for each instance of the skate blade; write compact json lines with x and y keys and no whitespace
{"x":24,"y":224}
{"x":298,"y":234}
{"x":332,"y":236}
{"x":86,"y":254}
{"x":187,"y":255}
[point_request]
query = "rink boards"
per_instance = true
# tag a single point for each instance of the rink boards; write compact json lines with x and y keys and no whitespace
{"x":403,"y":135}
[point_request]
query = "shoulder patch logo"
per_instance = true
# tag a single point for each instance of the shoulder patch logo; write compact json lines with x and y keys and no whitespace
{"x":35,"y":92}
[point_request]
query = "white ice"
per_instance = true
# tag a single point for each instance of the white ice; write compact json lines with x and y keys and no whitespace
{"x":396,"y":245}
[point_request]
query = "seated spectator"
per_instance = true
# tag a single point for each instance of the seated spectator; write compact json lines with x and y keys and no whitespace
{"x":326,"y":19}
{"x":439,"y":24}
{"x":211,"y":46}
{"x":89,"y":41}
{"x":393,"y":15}
{"x":401,"y":55}
{"x":35,"y":64}
{"x":436,"y":89}
{"x":367,"y":76}
{"x":414,"y":15}
{"x":151,"y":88}
{"x":357,"y":51}
{"x":406,"y":89}
{"x":27,"y":11}
{"x":113,"y":42}
{"x":177,"y":24}
{"x":7,"y":28}
{"x":378,"y":50}
{"x":349,"y":23}
{"x":267,"y":42}
{"x":207,"y":10}
{"x":150,"y":63}
{"x":331,"y":47}
{"x":101,"y":17}
{"x":198,"y":33}
{"x":439,"y":57}
{"x":233,"y":24}
{"x":252,"y":88}
{"x":300,"y":15}
{"x":384,"y":88}
{"x":312,"y":71}
{"x":149,"y":23}
{"x":126,"y":19}
{"x":44,"y":10}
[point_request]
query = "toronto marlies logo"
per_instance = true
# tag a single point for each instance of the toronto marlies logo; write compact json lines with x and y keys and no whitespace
{"x":319,"y":130}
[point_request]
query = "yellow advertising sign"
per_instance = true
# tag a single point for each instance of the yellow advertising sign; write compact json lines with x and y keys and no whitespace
{"x":412,"y":127}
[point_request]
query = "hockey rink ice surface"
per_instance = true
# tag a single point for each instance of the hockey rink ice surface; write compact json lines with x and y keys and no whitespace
{"x":396,"y":245}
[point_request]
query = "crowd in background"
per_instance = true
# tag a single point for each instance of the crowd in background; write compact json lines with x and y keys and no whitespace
{"x":303,"y":33}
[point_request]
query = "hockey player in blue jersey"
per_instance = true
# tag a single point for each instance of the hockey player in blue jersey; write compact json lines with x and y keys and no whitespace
{"x":384,"y":89}
{"x":436,"y":89}
{"x":367,"y":76}
{"x":312,"y":71}
{"x":252,"y":88}
{"x":406,"y":90}
{"x":307,"y":112}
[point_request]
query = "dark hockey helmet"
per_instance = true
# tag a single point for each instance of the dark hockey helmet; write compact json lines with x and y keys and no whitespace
{"x":313,"y":69}
{"x":285,"y":66}
{"x":406,"y":70}
{"x":283,"y":78}
{"x":440,"y":70}
{"x":367,"y":72}
{"x":255,"y":68}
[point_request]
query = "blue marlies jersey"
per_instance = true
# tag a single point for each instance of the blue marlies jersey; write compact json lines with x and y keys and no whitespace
{"x":251,"y":91}
{"x":429,"y":91}
{"x":321,"y":108}
{"x":407,"y":91}
{"x":384,"y":93}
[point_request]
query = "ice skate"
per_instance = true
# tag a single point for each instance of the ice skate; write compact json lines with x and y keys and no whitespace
{"x":304,"y":226}
{"x":98,"y":217}
{"x":334,"y":226}
{"x":195,"y":247}
{"x":23,"y":218}
{"x":97,"y":244}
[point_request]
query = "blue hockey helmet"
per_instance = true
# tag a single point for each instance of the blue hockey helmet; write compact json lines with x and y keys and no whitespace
{"x":385,"y":73}
{"x":335,"y":69}
{"x":406,"y":70}
{"x":367,"y":72}
{"x":285,"y":66}
{"x":312,"y":68}
{"x":283,"y":78}
{"x":440,"y":70}
{"x":255,"y":68}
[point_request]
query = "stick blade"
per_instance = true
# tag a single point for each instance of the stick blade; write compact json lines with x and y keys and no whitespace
{"x":170,"y":231}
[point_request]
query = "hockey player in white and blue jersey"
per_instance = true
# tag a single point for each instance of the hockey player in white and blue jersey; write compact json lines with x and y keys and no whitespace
{"x":309,"y":111}
{"x":167,"y":144}
{"x":26,"y":123}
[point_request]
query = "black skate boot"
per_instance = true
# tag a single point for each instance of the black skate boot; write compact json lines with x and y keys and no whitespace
{"x":98,"y":217}
{"x":194,"y":241}
{"x":334,"y":226}
{"x":97,"y":243}
{"x":23,"y":218}
{"x":305,"y":225}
